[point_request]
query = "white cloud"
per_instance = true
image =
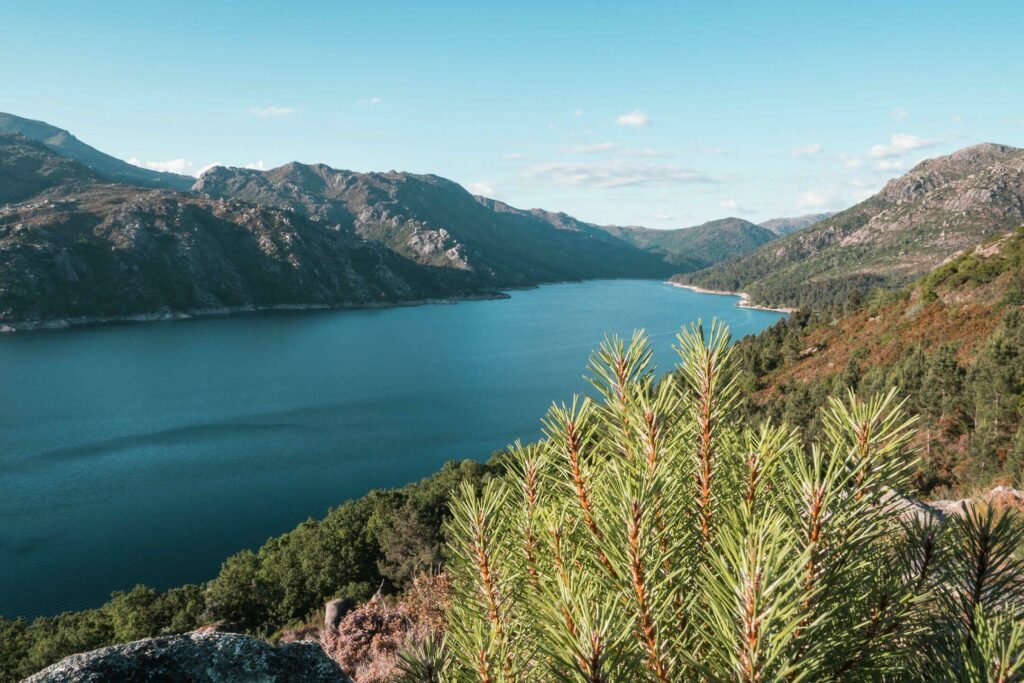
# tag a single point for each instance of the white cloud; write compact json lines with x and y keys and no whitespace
{"x":890,"y":164}
{"x":807,"y":150}
{"x":647,"y":153}
{"x":482,"y":188}
{"x":612,"y":173}
{"x":186,"y":167}
{"x":734,"y":206}
{"x":956,"y":118}
{"x":899,"y":113}
{"x":180,"y":166}
{"x":516,"y":155}
{"x":369,"y":101}
{"x":815,"y":199}
{"x":713,"y":151}
{"x":663,"y":217}
{"x":271,"y":111}
{"x":577,"y":112}
{"x":900,"y":144}
{"x":592,"y":148}
{"x":851,"y":162}
{"x":207,"y":167}
{"x":634,"y":118}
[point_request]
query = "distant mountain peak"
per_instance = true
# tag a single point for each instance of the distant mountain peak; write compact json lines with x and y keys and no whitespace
{"x":67,"y":145}
{"x":786,"y":225}
{"x":913,"y":224}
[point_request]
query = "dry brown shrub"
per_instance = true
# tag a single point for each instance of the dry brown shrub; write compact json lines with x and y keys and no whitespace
{"x":367,"y":641}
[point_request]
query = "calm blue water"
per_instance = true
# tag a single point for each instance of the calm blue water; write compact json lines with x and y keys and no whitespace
{"x":147,"y":453}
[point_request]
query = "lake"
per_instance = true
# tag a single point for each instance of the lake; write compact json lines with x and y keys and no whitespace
{"x":148,"y":453}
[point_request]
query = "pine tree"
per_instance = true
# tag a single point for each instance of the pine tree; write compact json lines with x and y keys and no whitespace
{"x":649,"y":537}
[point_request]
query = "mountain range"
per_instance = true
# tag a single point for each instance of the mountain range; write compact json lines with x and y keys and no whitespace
{"x":85,"y":236}
{"x":915,"y":223}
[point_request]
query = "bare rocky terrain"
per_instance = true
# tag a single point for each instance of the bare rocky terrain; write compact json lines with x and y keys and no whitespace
{"x":199,"y":658}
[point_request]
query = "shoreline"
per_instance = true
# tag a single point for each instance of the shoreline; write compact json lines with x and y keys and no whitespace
{"x":744,"y":301}
{"x":168,"y":315}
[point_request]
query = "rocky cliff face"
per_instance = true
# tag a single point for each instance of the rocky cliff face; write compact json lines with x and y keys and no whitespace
{"x":913,"y":224}
{"x":80,"y":247}
{"x":199,"y":658}
{"x":437,"y":223}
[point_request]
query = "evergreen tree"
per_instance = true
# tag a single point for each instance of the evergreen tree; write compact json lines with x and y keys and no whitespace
{"x":650,"y":537}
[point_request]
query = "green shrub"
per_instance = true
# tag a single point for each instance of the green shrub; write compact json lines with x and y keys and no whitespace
{"x":650,"y":537}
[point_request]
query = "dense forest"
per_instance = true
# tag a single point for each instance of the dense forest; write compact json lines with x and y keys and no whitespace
{"x":952,"y":345}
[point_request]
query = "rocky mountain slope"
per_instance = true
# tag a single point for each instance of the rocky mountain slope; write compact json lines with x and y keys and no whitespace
{"x":784,"y":226}
{"x":437,"y":223}
{"x":67,"y":145}
{"x":76,"y":246}
{"x":913,"y":224}
{"x":699,"y":246}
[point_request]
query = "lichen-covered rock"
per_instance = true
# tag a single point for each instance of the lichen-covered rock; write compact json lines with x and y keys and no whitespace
{"x":198,"y":658}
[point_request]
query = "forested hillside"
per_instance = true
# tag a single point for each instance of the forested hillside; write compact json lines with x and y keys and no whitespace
{"x":377,"y":542}
{"x":953,"y":343}
{"x":699,"y":246}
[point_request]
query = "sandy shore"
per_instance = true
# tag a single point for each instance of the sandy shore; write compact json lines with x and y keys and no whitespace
{"x":744,"y":301}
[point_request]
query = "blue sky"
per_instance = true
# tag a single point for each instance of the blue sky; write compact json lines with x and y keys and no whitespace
{"x":655,"y":113}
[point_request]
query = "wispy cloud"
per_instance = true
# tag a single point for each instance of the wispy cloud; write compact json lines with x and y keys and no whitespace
{"x":577,"y":112}
{"x":271,"y":111}
{"x":890,"y":164}
{"x":180,"y":166}
{"x":613,"y":173}
{"x":663,"y":217}
{"x":516,"y":155}
{"x":899,"y":113}
{"x":807,"y":150}
{"x":812,"y":199}
{"x":369,"y":102}
{"x":900,"y":144}
{"x":591,"y":148}
{"x":207,"y":167}
{"x":186,"y":167}
{"x":735,"y":207}
{"x":851,"y":161}
{"x":635,"y":118}
{"x":483,"y":188}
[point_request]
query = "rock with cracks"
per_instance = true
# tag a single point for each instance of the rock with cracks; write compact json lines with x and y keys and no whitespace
{"x":198,"y":657}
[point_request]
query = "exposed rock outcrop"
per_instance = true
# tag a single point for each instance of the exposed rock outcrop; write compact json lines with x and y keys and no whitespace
{"x":199,"y":658}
